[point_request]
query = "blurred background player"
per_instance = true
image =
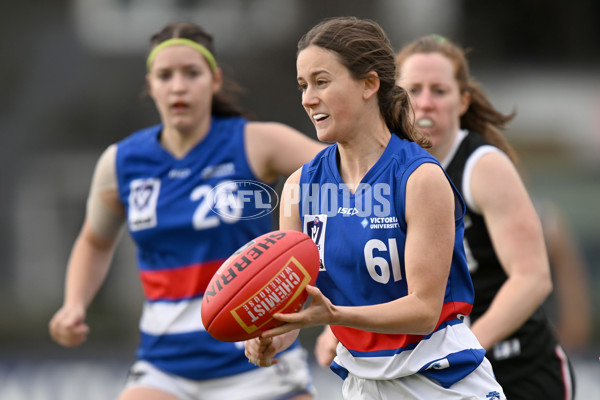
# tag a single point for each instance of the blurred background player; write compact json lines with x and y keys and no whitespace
{"x":504,"y":240}
{"x":175,"y":186}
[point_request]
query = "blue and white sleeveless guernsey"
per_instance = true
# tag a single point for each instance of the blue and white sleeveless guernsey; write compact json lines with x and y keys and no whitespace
{"x":187,"y":216}
{"x":361,"y":239}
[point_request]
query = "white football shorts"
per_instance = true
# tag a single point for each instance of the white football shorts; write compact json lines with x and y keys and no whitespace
{"x":289,"y":377}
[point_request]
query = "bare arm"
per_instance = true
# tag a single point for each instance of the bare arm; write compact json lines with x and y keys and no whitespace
{"x":516,"y":234}
{"x":276,"y":149}
{"x":91,"y":255}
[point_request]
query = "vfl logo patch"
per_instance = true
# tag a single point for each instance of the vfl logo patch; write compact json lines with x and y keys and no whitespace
{"x":143,"y":196}
{"x":315,"y":228}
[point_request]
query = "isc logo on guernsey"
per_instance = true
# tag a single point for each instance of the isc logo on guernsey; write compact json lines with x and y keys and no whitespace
{"x":347,"y":211}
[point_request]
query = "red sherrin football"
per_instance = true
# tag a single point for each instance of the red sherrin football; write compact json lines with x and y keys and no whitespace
{"x":265,"y":276}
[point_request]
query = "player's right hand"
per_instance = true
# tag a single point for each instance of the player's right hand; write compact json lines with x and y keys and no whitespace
{"x":68,"y":328}
{"x":260,"y":351}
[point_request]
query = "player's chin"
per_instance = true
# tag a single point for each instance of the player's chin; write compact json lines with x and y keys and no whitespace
{"x":325,"y":134}
{"x":182,"y":123}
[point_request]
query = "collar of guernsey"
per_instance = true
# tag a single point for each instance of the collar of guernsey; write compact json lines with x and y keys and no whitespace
{"x":178,"y":42}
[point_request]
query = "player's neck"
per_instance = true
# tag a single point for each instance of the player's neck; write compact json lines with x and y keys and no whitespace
{"x":180,"y":142}
{"x":356,"y":159}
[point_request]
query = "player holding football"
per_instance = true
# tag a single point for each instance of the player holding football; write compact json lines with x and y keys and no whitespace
{"x":161,"y":182}
{"x":394,"y":295}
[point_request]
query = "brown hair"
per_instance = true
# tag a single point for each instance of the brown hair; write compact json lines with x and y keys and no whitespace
{"x":481,"y":116}
{"x":362,"y":46}
{"x":224,"y":103}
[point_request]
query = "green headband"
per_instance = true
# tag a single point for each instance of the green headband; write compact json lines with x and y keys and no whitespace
{"x":186,"y":42}
{"x":437,"y":37}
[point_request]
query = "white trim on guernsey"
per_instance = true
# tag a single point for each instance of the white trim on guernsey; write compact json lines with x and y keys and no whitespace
{"x":162,"y":317}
